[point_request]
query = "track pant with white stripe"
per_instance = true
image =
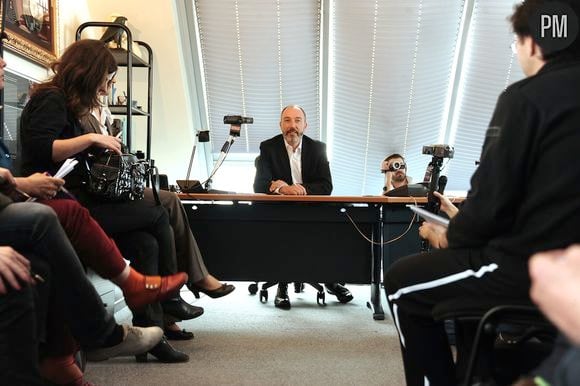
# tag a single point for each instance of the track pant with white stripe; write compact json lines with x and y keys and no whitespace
{"x":415,"y":284}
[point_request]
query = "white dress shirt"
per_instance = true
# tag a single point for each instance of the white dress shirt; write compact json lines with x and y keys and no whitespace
{"x":295,"y":157}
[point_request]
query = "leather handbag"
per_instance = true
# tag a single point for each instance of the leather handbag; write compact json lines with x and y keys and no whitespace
{"x":115,"y":177}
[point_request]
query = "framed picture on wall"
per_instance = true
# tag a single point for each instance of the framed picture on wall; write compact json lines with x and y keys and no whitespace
{"x":31,"y":26}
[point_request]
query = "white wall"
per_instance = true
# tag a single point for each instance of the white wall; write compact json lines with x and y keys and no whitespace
{"x":153,"y":23}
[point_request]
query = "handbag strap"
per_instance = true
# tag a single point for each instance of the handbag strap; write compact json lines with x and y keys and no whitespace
{"x":154,"y":177}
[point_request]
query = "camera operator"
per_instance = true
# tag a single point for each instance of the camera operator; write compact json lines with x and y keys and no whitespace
{"x":395,"y":169}
{"x":510,"y":212}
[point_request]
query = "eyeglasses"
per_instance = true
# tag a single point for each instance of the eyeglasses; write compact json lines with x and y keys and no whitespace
{"x":514,"y":47}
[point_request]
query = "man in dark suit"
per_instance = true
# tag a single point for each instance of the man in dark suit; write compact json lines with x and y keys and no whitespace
{"x":294,"y":164}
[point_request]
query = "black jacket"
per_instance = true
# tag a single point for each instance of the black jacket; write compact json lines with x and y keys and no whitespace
{"x":46,"y":118}
{"x":274,"y":164}
{"x":525,"y":194}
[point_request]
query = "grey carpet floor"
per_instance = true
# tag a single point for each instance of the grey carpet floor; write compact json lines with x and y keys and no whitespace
{"x":240,"y":341}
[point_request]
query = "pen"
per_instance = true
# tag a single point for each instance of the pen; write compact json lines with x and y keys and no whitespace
{"x":119,"y":134}
{"x":65,"y":191}
{"x":36,"y":276}
{"x":23,"y":195}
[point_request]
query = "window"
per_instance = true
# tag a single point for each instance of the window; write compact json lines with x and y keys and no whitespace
{"x":259,"y":56}
{"x":375,"y":78}
{"x":489,"y":66}
{"x":392,"y":61}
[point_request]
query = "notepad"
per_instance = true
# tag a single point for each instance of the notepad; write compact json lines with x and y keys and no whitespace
{"x":428,"y":216}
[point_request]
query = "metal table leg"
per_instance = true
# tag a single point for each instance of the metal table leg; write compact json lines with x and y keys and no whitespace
{"x":377,"y":258}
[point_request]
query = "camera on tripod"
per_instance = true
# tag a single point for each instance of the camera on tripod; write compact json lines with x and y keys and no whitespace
{"x":236,"y":122}
{"x":439,"y":151}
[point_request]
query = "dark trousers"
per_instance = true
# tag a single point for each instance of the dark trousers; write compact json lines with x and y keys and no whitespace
{"x":415,"y":284}
{"x":120,"y":218}
{"x":189,"y":258}
{"x":34,"y":228}
{"x":142,"y":249}
{"x":145,"y":237}
{"x":23,"y":316}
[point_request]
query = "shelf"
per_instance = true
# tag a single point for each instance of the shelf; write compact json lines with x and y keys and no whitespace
{"x":121,"y":58}
{"x":122,"y":110}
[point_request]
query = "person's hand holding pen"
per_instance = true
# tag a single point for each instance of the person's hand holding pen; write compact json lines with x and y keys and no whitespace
{"x":40,"y":185}
{"x":14,"y":270}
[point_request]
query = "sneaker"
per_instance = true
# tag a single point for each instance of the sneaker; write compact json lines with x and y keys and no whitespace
{"x":136,"y":340}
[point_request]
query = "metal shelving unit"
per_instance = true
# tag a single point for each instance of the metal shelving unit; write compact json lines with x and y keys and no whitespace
{"x":128,"y":59}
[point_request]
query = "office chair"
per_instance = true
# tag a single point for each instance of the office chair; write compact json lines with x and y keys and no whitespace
{"x":496,"y":342}
{"x":298,"y":287}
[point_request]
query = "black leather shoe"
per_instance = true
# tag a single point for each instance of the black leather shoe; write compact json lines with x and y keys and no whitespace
{"x":341,"y":292}
{"x":178,"y":334}
{"x":282,"y":300}
{"x":165,"y":353}
{"x":180,"y":309}
{"x":298,"y":287}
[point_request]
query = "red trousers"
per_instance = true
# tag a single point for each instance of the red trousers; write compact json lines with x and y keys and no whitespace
{"x":94,"y":248}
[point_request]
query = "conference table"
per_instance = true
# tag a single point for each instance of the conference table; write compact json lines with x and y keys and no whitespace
{"x":309,"y":239}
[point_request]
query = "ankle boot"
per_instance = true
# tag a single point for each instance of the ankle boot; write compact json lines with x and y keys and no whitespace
{"x":282,"y":300}
{"x":140,"y":290}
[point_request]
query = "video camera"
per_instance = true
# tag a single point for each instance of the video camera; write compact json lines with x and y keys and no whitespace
{"x":439,"y":151}
{"x":236,"y":122}
{"x":393,"y":167}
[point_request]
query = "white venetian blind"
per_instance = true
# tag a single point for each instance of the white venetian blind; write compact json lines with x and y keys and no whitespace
{"x":488,"y":68}
{"x":259,"y":56}
{"x":392,"y":62}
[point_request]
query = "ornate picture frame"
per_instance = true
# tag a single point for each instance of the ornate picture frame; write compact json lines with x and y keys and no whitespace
{"x":31,"y":26}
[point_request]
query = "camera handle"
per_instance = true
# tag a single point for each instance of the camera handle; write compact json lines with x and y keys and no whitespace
{"x":432,"y":201}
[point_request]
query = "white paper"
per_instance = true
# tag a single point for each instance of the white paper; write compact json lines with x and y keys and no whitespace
{"x":428,"y":216}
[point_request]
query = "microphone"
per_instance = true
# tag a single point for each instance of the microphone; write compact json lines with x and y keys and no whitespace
{"x":442,"y":184}
{"x":433,"y":203}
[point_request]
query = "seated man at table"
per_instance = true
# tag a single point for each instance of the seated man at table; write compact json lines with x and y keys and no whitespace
{"x":292,"y":163}
{"x":395,"y":169}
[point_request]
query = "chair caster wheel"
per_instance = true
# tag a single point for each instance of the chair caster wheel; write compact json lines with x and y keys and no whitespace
{"x":253,"y":289}
{"x":264,"y":296}
{"x":320,"y":298}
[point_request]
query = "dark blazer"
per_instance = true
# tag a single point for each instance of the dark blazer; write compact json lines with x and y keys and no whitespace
{"x":274,"y":164}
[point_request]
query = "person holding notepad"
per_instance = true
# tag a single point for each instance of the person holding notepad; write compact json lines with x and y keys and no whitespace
{"x":510,"y":212}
